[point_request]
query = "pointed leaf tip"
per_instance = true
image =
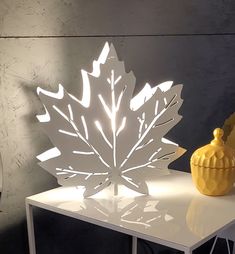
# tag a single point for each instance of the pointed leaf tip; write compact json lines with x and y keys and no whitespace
{"x":112,"y":52}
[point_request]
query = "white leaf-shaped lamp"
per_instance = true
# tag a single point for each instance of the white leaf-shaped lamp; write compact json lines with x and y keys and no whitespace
{"x":109,"y":136}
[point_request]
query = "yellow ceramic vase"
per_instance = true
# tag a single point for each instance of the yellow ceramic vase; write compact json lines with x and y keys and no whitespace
{"x":213,"y":167}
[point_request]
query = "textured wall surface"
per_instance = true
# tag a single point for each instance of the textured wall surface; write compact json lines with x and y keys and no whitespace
{"x":48,"y":42}
{"x":104,"y":17}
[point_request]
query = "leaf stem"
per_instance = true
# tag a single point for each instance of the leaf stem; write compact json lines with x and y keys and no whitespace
{"x":113,"y":118}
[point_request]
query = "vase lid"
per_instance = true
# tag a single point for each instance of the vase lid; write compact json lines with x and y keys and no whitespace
{"x":216,"y":154}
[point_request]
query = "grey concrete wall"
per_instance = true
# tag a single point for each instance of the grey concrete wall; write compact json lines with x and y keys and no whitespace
{"x":48,"y":42}
{"x":104,"y":17}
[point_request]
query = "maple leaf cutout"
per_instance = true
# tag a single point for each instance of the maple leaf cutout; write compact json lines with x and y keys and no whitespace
{"x":109,"y":136}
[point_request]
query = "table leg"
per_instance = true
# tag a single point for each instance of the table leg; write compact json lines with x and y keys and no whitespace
{"x":30,"y":227}
{"x":188,"y":252}
{"x":227,"y":234}
{"x":134,"y":245}
{"x":213,"y":246}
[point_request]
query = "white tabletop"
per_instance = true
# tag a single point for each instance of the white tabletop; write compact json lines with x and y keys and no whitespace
{"x":174,"y":214}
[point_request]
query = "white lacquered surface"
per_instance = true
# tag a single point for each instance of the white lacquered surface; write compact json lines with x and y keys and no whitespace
{"x":174,"y":214}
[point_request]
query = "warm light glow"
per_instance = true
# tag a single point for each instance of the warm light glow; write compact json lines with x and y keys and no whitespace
{"x":123,"y":191}
{"x":51,"y":153}
{"x":147,"y":92}
{"x":165,"y":86}
{"x":57,"y":95}
{"x":167,"y":141}
{"x":144,"y":95}
{"x":44,"y":118}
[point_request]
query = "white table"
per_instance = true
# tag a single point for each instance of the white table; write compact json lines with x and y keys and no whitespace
{"x":175,"y":214}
